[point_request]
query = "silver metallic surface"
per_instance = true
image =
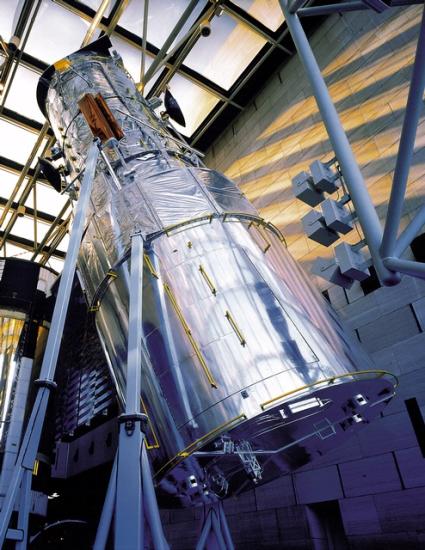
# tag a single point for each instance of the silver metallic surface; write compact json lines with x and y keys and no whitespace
{"x":233,"y":327}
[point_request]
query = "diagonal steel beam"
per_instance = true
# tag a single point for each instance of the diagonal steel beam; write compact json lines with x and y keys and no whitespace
{"x":198,"y":134}
{"x":251,"y":23}
{"x":30,"y":212}
{"x":95,"y":22}
{"x":28,"y":245}
{"x":346,"y":6}
{"x":171,"y":37}
{"x":23,"y":174}
{"x":57,"y":221}
{"x":407,"y":144}
{"x":118,"y":10}
{"x":180,"y":50}
{"x":295,"y":5}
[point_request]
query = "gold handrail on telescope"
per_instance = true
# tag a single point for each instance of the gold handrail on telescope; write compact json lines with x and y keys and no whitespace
{"x":253,"y":219}
{"x":331,"y":380}
{"x":188,"y":332}
{"x":187,"y":451}
{"x":207,"y":279}
{"x":235,"y":327}
{"x":155,"y":445}
{"x":264,"y":237}
{"x":206,"y":218}
{"x":110,"y":276}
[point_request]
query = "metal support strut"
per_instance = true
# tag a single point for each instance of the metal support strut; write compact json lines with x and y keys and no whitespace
{"x":130,"y":495}
{"x":21,"y":477}
{"x":366,"y":212}
{"x":215,"y":533}
{"x":385,"y":247}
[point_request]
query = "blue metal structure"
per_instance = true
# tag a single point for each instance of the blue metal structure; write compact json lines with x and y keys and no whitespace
{"x":131,"y":496}
{"x":384,"y":246}
{"x":28,"y":450}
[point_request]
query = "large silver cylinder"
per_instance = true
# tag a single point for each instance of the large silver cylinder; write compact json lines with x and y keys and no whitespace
{"x":251,"y":374}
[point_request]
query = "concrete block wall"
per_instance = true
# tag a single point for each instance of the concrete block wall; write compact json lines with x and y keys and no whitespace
{"x":370,"y":492}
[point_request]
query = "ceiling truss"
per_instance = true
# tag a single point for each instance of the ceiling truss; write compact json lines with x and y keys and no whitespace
{"x":168,"y":65}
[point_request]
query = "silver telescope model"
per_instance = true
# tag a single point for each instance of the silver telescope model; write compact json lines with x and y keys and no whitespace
{"x":247,"y":373}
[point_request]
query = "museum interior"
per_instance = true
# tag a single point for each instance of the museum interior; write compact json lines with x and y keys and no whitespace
{"x":212,"y":248}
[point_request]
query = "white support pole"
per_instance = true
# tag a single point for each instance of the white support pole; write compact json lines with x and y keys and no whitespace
{"x":105,"y":520}
{"x":407,"y":143}
{"x":365,"y":210}
{"x":415,"y":269}
{"x":129,"y":514}
{"x":410,"y":232}
{"x":31,"y":440}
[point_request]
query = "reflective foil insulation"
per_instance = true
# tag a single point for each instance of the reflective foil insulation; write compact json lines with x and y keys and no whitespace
{"x":248,"y":373}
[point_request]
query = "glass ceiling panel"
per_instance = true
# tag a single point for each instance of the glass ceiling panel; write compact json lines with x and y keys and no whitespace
{"x":7,"y":22}
{"x":95,"y":5}
{"x":6,"y":220}
{"x":24,"y":227}
{"x":195,"y":103}
{"x":224,"y":55}
{"x":22,"y":95}
{"x":267,"y":12}
{"x":131,"y":56}
{"x":15,"y":142}
{"x":16,"y":251}
{"x":48,"y":200}
{"x":162,"y":18}
{"x":56,"y":33}
{"x":64,"y":243}
{"x":56,"y":264}
{"x":7,"y":183}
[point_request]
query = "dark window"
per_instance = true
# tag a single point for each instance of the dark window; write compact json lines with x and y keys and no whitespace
{"x":326,"y":526}
{"x":371,"y":283}
{"x":417,"y":420}
{"x":418,"y":248}
{"x":325,"y":294}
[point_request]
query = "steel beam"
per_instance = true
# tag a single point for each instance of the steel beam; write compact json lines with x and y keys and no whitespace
{"x":95,"y":22}
{"x":171,"y":37}
{"x":24,"y":510}
{"x":117,"y":11}
{"x":107,"y":511}
{"x":250,"y":22}
{"x":225,"y":527}
{"x":31,"y":440}
{"x":365,"y":209}
{"x":144,"y":39}
{"x":151,"y":505}
{"x":129,"y":524}
{"x":409,"y":267}
{"x":24,"y":195}
{"x":215,"y":530}
{"x":327,"y":9}
{"x":61,"y":231}
{"x":199,"y":133}
{"x":24,"y":172}
{"x":21,"y":32}
{"x":27,"y":244}
{"x":20,"y":120}
{"x":350,"y":5}
{"x":183,"y":47}
{"x":30,"y":212}
{"x":295,"y":5}
{"x":410,"y":232}
{"x":407,"y":143}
